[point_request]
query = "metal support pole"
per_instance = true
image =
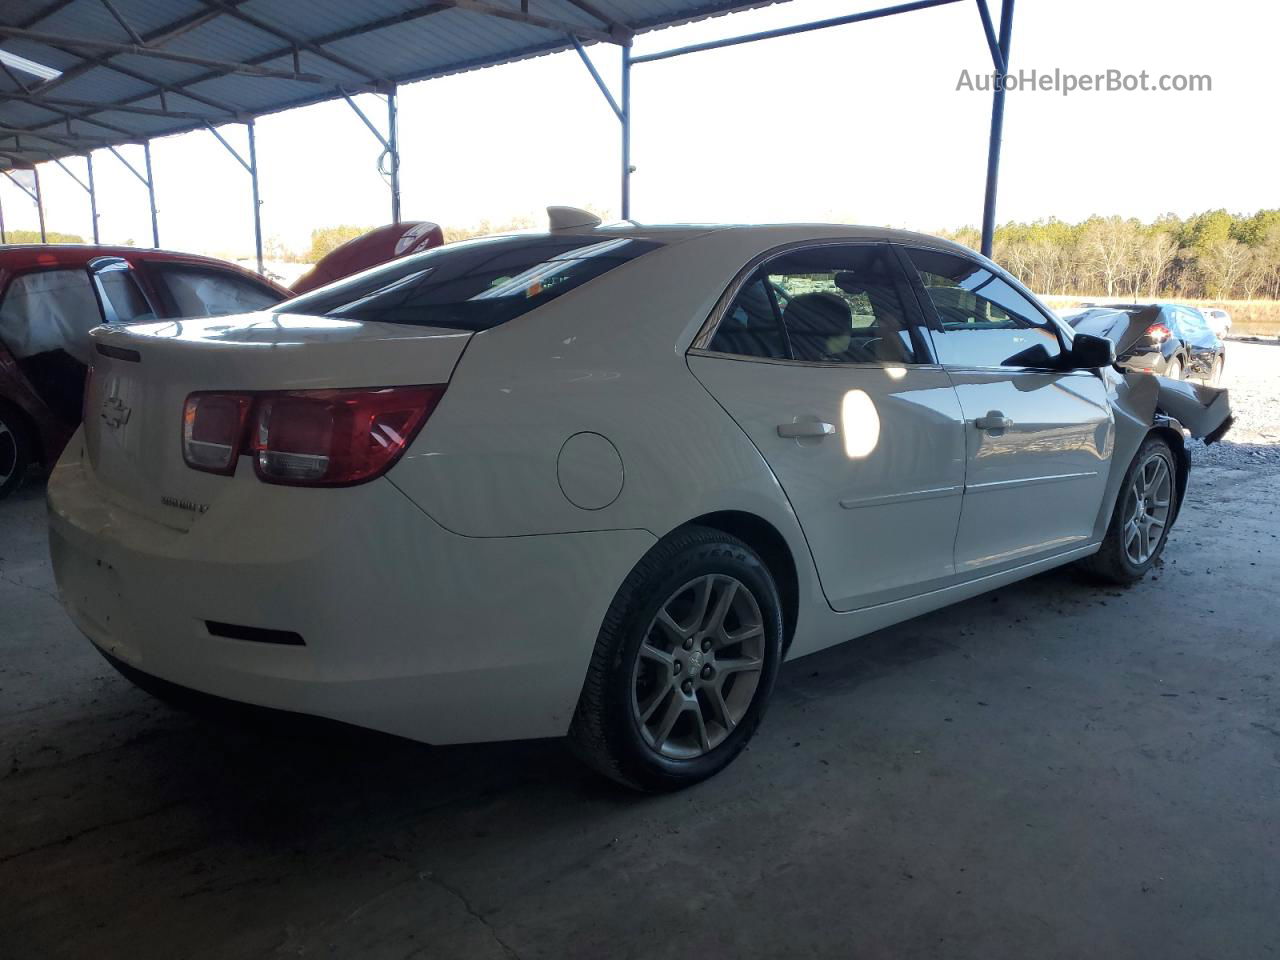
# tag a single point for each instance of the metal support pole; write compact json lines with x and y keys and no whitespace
{"x":625,"y":117}
{"x":390,"y":144}
{"x":87,"y":187}
{"x":39,"y":203}
{"x":93,"y":196}
{"x":4,"y":237}
{"x":151,"y":194}
{"x":997,"y":128}
{"x":393,"y":151}
{"x":257,"y":204}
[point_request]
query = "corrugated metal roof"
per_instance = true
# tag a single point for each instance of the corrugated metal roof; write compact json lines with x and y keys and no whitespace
{"x":168,"y":66}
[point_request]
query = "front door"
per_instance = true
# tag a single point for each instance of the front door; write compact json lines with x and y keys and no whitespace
{"x":821,"y":361}
{"x":1038,"y":440}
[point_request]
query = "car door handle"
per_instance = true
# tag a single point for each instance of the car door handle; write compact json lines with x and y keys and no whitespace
{"x":994,"y":420}
{"x":806,"y":428}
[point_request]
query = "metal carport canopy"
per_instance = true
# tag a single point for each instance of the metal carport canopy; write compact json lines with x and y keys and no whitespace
{"x":84,"y":75}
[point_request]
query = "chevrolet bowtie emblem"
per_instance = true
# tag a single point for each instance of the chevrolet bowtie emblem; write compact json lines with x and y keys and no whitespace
{"x":114,"y":412}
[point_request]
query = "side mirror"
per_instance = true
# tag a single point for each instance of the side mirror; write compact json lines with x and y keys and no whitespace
{"x":1089,"y":352}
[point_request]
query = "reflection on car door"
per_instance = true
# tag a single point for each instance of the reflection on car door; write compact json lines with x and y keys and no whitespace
{"x":839,"y":394}
{"x":1038,"y":441}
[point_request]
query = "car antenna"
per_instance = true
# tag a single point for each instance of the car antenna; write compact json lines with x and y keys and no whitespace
{"x":570,"y":218}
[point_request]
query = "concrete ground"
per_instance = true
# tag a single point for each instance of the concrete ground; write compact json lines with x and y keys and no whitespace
{"x":1051,"y":770}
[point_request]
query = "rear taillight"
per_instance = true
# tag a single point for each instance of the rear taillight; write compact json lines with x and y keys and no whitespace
{"x":1158,"y":332}
{"x":313,"y":438}
{"x":213,"y":430}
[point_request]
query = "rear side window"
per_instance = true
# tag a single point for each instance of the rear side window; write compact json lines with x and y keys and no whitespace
{"x":1193,"y":320}
{"x":124,"y":300}
{"x":198,"y":292}
{"x":832,"y":303}
{"x":843,"y":304}
{"x":750,"y":327}
{"x":473,"y":285}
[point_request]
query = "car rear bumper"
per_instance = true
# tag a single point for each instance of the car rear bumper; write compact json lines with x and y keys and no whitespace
{"x":404,"y":626}
{"x":1146,"y":361}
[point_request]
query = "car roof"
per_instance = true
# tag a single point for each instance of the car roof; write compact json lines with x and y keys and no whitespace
{"x":783,"y":231}
{"x":767,"y":235}
{"x":24,"y":256}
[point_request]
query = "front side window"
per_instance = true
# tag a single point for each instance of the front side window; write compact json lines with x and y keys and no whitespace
{"x":201,"y":292}
{"x":49,"y":310}
{"x":982,"y":320}
{"x":472,"y":285}
{"x":831,"y":303}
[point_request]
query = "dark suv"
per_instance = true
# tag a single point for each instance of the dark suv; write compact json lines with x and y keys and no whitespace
{"x":1167,"y":339}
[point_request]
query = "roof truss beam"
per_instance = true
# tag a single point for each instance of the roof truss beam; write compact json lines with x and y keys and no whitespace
{"x":537,"y":20}
{"x":294,"y":41}
{"x":124,"y":24}
{"x":137,"y":50}
{"x":53,"y":104}
{"x":160,"y":35}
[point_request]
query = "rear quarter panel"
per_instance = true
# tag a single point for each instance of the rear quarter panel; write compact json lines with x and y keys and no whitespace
{"x":607,"y":359}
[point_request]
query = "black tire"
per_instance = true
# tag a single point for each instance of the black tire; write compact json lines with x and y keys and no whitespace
{"x":1175,"y":369}
{"x":15,"y":449}
{"x":606,"y":731}
{"x":1112,"y":563}
{"x":1215,"y":375}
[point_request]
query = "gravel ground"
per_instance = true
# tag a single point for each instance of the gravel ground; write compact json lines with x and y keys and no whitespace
{"x":1253,"y":441}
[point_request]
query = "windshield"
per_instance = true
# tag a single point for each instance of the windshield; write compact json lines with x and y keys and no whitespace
{"x":473,"y":285}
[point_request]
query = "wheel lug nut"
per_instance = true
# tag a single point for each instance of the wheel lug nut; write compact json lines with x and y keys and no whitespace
{"x":687,"y":687}
{"x":706,"y":672}
{"x":678,"y":667}
{"x":688,"y":644}
{"x":706,"y":645}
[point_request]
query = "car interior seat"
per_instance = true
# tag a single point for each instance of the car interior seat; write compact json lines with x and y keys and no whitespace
{"x":820,"y":326}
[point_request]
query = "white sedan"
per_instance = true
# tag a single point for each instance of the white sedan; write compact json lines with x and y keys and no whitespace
{"x":600,"y":481}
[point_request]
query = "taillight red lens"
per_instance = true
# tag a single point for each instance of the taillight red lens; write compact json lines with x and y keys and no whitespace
{"x":310,"y":438}
{"x":213,"y":430}
{"x":1158,"y":332}
{"x":334,"y":438}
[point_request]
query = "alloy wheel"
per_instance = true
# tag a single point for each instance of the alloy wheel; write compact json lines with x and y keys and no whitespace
{"x":698,"y":667}
{"x":1147,"y":509}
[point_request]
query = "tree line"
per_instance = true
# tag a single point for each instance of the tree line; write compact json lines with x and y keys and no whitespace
{"x":1213,"y":255}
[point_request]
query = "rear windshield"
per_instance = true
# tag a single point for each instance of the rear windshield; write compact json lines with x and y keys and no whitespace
{"x":473,"y":285}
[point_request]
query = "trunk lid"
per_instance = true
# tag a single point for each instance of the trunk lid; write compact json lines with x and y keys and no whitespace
{"x":143,"y":373}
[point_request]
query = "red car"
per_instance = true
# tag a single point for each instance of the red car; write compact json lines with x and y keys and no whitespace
{"x":370,"y":249}
{"x":50,"y":297}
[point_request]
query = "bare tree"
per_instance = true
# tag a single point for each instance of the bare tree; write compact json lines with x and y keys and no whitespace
{"x":1109,"y":244}
{"x":1222,"y":265}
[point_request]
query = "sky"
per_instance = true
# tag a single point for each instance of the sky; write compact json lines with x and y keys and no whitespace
{"x":862,"y":123}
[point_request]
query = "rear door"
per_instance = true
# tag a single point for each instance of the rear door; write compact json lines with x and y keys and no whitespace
{"x":820,"y":359}
{"x":1038,"y":440}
